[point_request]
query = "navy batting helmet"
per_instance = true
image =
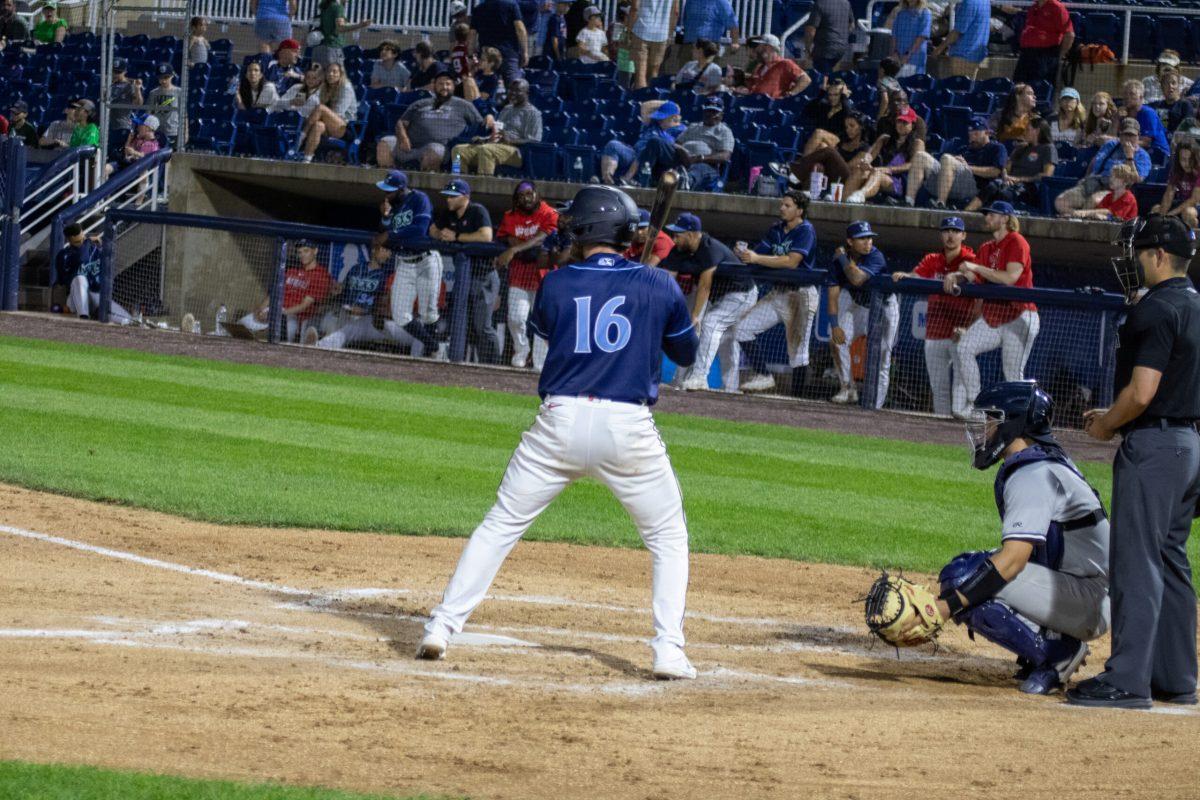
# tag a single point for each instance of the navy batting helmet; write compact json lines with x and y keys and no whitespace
{"x":603,"y":215}
{"x":1009,"y":410}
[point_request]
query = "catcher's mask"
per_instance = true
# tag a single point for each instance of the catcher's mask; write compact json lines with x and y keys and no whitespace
{"x":1006,"y":411}
{"x":1149,"y":232}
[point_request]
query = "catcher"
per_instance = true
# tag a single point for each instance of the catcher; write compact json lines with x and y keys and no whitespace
{"x":1044,"y":593}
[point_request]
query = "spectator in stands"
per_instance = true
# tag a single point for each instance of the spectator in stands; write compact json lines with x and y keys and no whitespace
{"x":165,"y":100}
{"x":1010,"y":122}
{"x":428,"y":67}
{"x":1070,"y":120}
{"x":827,"y":117}
{"x":775,"y":76}
{"x":51,"y":28}
{"x":663,"y":244}
{"x":827,"y":33}
{"x":305,"y":287}
{"x":524,"y":228}
{"x":272,"y":22}
{"x":656,"y":146}
{"x":518,"y":123}
{"x":460,"y":220}
{"x":887,"y":168}
{"x":957,"y":178}
{"x":838,"y":162}
{"x":458,"y":13}
{"x":652,"y":23}
{"x":1125,"y":150}
{"x":1183,"y":184}
{"x":125,"y":92}
{"x":620,"y":45}
{"x":254,"y":90}
{"x":1011,"y":325}
{"x":485,"y":84}
{"x":945,"y":312}
{"x":337,"y":108}
{"x":1118,"y":204}
{"x":702,"y":75}
{"x":791,"y":243}
{"x":78,"y":267}
{"x":1153,"y":137}
{"x":898,"y":104}
{"x":462,"y":63}
{"x":1152,"y":85}
{"x":498,"y":24}
{"x":332,"y":25}
{"x":303,"y":96}
{"x":1044,"y":42}
{"x":709,"y":146}
{"x":555,"y":45}
{"x":710,"y":20}
{"x":426,"y":128}
{"x":12,"y":27}
{"x":58,"y":134}
{"x":143,"y":139}
{"x":1173,"y":108}
{"x":197,"y":45}
{"x":591,"y":41}
{"x":389,"y":71}
{"x":850,"y":305}
{"x":85,"y":133}
{"x":358,"y":288}
{"x":19,"y":125}
{"x":967,"y":42}
{"x":1103,"y":121}
{"x":910,"y":23}
{"x":284,"y":70}
{"x":1031,"y":161}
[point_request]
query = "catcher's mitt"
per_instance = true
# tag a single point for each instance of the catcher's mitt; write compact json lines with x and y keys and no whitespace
{"x":902,"y":613}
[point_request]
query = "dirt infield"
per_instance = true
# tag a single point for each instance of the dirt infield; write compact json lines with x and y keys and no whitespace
{"x":136,"y":640}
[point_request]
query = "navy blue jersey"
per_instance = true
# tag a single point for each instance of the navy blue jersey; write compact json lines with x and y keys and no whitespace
{"x":873,"y":263}
{"x":607,"y":321}
{"x":408,"y":221}
{"x":362,"y":284}
{"x":779,"y":241}
{"x":83,"y":260}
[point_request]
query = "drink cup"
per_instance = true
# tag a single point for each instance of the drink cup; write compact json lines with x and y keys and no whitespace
{"x":817,"y":185}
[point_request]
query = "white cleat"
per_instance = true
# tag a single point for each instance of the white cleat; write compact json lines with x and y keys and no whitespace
{"x":432,"y":647}
{"x":695,"y":384}
{"x":674,"y":668}
{"x":762,"y":382}
{"x":845,"y":397}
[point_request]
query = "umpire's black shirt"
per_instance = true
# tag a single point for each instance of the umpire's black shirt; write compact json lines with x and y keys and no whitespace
{"x":1162,"y":332}
{"x":709,"y":254}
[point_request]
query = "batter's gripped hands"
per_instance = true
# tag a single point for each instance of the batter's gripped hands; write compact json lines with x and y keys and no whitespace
{"x":837,"y":335}
{"x":1095,"y":426}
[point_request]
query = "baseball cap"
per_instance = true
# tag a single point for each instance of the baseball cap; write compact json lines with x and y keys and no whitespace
{"x":150,"y":121}
{"x":164,"y":69}
{"x":457,"y":188}
{"x":592,"y":11}
{"x":685,"y":223}
{"x":666,"y":110}
{"x":979,"y":124}
{"x":120,"y":65}
{"x":907,"y":115}
{"x":643,"y":218}
{"x":457,"y":7}
{"x":1170,"y":59}
{"x":714,"y":104}
{"x":1070,"y":91}
{"x":288,"y":44}
{"x":306,"y":243}
{"x":85,"y":104}
{"x":771,"y":40}
{"x":1000,"y":207}
{"x":953,"y":224}
{"x":18,"y":107}
{"x":1131,"y":125}
{"x":445,"y":73}
{"x":860,"y":230}
{"x":1157,"y":230}
{"x":396,"y":180}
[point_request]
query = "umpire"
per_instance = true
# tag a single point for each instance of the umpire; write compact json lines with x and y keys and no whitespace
{"x":1156,"y":474}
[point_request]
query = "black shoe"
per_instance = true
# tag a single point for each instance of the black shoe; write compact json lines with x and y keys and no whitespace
{"x":799,"y":376}
{"x":1185,"y":699}
{"x":937,"y":204}
{"x":1097,"y":693}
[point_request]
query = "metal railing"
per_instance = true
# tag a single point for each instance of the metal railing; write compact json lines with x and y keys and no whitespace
{"x":63,"y":183}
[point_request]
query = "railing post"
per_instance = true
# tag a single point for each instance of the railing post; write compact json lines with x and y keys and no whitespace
{"x":459,"y":303}
{"x":1125,"y":38}
{"x":871,"y":368}
{"x":275,"y":303}
{"x":107,"y":249}
{"x":12,"y":162}
{"x":58,"y":241}
{"x":1108,"y":357}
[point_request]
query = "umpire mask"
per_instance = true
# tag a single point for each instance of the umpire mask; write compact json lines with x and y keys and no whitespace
{"x":1152,"y":231}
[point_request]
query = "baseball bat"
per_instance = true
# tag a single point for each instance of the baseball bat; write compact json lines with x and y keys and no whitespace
{"x":663,"y":197}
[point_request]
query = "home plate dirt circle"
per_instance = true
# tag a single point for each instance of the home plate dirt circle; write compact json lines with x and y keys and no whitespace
{"x":130,"y":639}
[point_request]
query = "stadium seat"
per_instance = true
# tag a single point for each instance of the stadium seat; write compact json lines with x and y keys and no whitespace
{"x":1072,"y":170}
{"x":1148,"y":195}
{"x":350,"y":143}
{"x":954,"y":121}
{"x":539,"y":160}
{"x":921,"y":82}
{"x":215,"y":136}
{"x":1105,"y":27}
{"x":1001,"y":86}
{"x":1143,"y":37}
{"x":982,"y":102}
{"x":588,"y":157}
{"x":1175,"y":33}
{"x":955,"y":83}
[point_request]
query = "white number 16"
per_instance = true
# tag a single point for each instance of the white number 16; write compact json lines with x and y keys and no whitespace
{"x":611,"y":331}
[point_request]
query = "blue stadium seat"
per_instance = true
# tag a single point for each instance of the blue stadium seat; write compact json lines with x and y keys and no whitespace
{"x":217,"y":136}
{"x":955,"y":83}
{"x":953,"y":121}
{"x":1175,"y":33}
{"x":1072,"y":170}
{"x":352,"y":140}
{"x":586,"y":154}
{"x":1001,"y":86}
{"x":982,"y":102}
{"x":1066,"y":151}
{"x":609,"y":90}
{"x":920,"y":82}
{"x":540,"y":160}
{"x":785,"y":136}
{"x":1148,"y":195}
{"x":1104,"y":28}
{"x":1143,"y":37}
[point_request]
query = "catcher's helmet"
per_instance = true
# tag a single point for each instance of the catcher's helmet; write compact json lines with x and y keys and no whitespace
{"x":1152,"y":231}
{"x":603,"y":215}
{"x":1009,"y":410}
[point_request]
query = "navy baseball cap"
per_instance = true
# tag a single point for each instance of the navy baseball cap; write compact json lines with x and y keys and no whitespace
{"x":979,"y":124}
{"x":457,"y":188}
{"x":164,"y":69}
{"x":713,"y":104}
{"x":686,"y":223}
{"x":643,"y":218}
{"x":18,"y":107}
{"x":445,"y":73}
{"x":396,"y":180}
{"x":859,"y":230}
{"x":953,"y":224}
{"x":666,"y":110}
{"x":1000,"y":207}
{"x":306,"y":243}
{"x":120,"y":65}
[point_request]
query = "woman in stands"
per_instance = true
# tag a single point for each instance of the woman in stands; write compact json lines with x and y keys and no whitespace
{"x":891,"y":157}
{"x":827,"y":117}
{"x":702,"y":75}
{"x":51,"y":28}
{"x":254,"y":90}
{"x":1011,"y":121}
{"x":337,"y":108}
{"x":1032,"y":160}
{"x":1183,"y":184}
{"x":1102,"y":118}
{"x":839,"y":161}
{"x":1068,"y":122}
{"x":303,"y":96}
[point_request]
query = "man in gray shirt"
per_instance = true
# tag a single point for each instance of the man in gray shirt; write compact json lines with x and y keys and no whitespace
{"x":709,"y":146}
{"x":124,"y":92}
{"x":827,"y":33}
{"x":519,"y":123}
{"x":389,"y":70}
{"x":426,"y":127}
{"x":165,"y":100}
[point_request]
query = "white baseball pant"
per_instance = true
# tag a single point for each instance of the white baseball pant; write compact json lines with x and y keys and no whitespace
{"x":939,"y":357}
{"x":351,"y":329}
{"x":718,"y":336}
{"x":571,"y":438}
{"x":81,"y":301}
{"x":520,"y":303}
{"x":418,"y":279}
{"x":294,"y":324}
{"x":853,"y":319}
{"x":1015,"y":339}
{"x":795,"y":309}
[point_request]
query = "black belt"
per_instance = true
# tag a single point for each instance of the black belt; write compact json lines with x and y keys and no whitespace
{"x":409,"y":255}
{"x":1162,"y":423}
{"x":1086,"y":521}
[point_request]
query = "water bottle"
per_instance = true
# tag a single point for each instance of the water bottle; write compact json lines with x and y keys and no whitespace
{"x":456,"y":165}
{"x":577,"y":170}
{"x":645,"y":175}
{"x":222,"y":314}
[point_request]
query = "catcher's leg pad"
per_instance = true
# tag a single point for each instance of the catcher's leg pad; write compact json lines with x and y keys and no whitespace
{"x":999,"y":624}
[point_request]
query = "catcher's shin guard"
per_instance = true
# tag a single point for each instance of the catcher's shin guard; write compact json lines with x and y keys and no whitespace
{"x":999,"y":624}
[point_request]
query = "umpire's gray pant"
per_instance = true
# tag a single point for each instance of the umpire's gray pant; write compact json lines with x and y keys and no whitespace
{"x":1156,"y":483}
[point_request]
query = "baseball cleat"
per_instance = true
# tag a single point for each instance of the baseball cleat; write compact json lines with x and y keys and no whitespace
{"x":674,"y":668}
{"x":1185,"y":699}
{"x":1098,"y":693}
{"x":695,"y":384}
{"x":188,"y":323}
{"x":845,"y":397}
{"x":432,"y":647}
{"x":762,"y":382}
{"x":1046,"y":679}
